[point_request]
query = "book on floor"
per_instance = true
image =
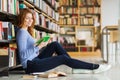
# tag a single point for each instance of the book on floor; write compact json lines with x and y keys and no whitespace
{"x":52,"y":74}
{"x":44,"y":75}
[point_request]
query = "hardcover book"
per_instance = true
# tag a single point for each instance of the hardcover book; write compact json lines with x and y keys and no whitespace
{"x":44,"y":39}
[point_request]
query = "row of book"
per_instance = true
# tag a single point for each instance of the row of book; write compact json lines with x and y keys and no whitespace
{"x":89,"y":2}
{"x":38,"y":3}
{"x":10,"y":6}
{"x":89,"y":10}
{"x":89,"y":20}
{"x":68,"y":21}
{"x":68,"y":2}
{"x":73,"y":48}
{"x":12,"y":55}
{"x":68,"y":10}
{"x":85,"y":49}
{"x":83,"y":10}
{"x":47,"y":23}
{"x":67,"y":39}
{"x":54,"y":3}
{"x":7,"y":31}
{"x":80,"y":2}
{"x":41,"y":4}
{"x":70,"y":47}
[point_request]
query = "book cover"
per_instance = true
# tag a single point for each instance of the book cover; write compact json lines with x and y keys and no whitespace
{"x":44,"y":39}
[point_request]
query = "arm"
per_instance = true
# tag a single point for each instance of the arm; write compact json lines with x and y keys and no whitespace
{"x":26,"y":51}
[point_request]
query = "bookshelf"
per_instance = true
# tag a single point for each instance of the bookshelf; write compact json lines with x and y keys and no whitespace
{"x":46,"y":14}
{"x":85,"y":17}
{"x":8,"y":12}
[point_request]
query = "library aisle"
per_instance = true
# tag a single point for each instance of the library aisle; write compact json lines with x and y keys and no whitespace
{"x":112,"y":74}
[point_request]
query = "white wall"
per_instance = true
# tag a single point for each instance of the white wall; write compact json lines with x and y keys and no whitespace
{"x":110,"y":14}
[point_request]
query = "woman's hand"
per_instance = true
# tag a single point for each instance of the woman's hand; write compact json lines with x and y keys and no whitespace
{"x":42,"y":44}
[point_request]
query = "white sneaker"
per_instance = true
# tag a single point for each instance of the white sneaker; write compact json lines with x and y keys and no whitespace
{"x":81,"y":71}
{"x":102,"y":68}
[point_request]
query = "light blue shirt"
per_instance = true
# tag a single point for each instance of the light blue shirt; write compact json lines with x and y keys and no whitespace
{"x":26,"y":48}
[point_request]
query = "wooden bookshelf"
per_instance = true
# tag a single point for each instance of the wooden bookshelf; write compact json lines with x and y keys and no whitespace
{"x":83,"y":15}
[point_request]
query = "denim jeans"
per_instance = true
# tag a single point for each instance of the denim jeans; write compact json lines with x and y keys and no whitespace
{"x":46,"y":61}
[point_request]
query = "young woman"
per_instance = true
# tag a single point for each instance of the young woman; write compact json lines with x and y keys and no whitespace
{"x":34,"y":59}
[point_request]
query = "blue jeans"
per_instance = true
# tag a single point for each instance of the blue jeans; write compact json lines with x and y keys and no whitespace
{"x":46,"y":61}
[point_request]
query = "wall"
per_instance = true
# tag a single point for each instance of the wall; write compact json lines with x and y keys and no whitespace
{"x":110,"y":12}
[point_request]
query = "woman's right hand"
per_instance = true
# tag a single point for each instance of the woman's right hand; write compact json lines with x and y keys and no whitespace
{"x":42,"y":44}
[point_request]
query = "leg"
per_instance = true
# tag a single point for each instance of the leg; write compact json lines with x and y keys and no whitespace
{"x":41,"y":65}
{"x":53,"y":47}
{"x":77,"y":64}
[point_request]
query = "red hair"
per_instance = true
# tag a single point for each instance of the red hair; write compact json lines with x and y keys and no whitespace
{"x":21,"y":20}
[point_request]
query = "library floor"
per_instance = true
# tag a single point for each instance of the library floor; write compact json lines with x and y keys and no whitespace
{"x":112,"y":74}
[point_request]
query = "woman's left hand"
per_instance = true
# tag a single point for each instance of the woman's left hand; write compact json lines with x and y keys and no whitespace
{"x":42,"y":44}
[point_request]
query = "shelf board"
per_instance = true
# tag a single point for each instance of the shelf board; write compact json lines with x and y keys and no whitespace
{"x":69,"y":14}
{"x":86,"y":24}
{"x":90,"y":6}
{"x":85,"y":27}
{"x":70,"y":33}
{"x":40,"y":28}
{"x":15,"y":67}
{"x":7,"y":41}
{"x":5,"y":16}
{"x":84,"y":46}
{"x":90,"y":14}
{"x":69,"y":25}
{"x":70,"y":6}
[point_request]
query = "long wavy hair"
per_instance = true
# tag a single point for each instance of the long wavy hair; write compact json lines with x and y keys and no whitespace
{"x":21,"y":20}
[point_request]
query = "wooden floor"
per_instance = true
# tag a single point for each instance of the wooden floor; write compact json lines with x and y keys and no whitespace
{"x":85,"y":54}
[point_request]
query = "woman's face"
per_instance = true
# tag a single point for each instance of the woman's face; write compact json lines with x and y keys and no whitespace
{"x":28,"y":20}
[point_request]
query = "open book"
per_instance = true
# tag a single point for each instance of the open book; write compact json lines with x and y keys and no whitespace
{"x":52,"y":74}
{"x":44,"y":75}
{"x":44,"y":39}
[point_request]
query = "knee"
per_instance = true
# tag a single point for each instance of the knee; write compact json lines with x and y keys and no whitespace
{"x":65,"y":57}
{"x":55,"y":43}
